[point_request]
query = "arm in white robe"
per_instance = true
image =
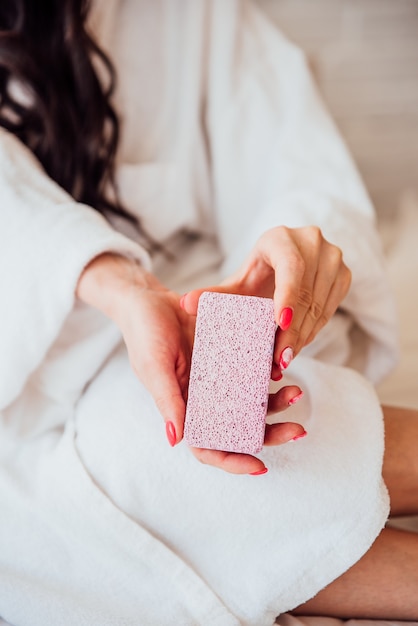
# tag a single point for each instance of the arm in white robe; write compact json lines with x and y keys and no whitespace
{"x":46,"y":239}
{"x":277,"y":158}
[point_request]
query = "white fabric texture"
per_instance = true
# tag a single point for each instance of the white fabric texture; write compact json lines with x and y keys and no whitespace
{"x":400,"y":388}
{"x":223,"y":135}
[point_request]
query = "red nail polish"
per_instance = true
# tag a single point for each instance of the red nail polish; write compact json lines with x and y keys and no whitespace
{"x":286,"y":357}
{"x":262,"y":471}
{"x":296,"y":398}
{"x":171,"y":433}
{"x":278,"y":376}
{"x":286,"y":318}
{"x":300,"y":436}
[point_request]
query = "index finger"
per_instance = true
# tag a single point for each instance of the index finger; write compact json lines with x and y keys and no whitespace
{"x":294,"y":268}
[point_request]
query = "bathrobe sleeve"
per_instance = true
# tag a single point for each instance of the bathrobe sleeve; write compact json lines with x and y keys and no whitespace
{"x":277,"y":158}
{"x":46,"y":239}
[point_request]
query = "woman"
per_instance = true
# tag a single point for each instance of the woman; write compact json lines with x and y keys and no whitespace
{"x":225,"y":160}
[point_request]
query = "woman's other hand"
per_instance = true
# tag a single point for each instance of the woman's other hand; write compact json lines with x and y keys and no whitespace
{"x":304,"y":274}
{"x":158,"y":334}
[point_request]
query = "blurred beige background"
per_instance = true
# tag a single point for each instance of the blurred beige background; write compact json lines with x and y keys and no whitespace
{"x":364,"y":54}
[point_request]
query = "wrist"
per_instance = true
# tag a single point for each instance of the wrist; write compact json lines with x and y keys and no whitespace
{"x":109,"y":279}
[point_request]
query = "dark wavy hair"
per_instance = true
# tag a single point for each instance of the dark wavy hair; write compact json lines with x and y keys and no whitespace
{"x":69,"y":123}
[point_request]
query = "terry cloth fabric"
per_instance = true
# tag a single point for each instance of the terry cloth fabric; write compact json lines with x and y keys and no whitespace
{"x":223,"y":136}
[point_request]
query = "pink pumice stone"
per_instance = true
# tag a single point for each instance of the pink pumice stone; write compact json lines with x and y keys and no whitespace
{"x":230,"y":373}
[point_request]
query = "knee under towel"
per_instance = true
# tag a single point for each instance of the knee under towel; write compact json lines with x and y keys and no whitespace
{"x":126,"y":530}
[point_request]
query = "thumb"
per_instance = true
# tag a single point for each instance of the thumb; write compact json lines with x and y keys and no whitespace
{"x":190,"y":300}
{"x":233,"y":284}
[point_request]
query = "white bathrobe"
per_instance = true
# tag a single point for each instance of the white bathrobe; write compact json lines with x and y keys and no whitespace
{"x":102,"y":523}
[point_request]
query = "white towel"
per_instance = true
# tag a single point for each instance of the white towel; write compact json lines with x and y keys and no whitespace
{"x":118,"y":528}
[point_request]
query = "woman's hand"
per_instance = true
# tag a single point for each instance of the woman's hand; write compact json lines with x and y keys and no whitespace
{"x":159,"y":336}
{"x":303,"y":273}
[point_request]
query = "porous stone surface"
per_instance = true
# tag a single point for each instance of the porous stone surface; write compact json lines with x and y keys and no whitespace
{"x":230,"y":373}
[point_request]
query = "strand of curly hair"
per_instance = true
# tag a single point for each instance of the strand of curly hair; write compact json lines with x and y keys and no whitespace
{"x":68,"y":121}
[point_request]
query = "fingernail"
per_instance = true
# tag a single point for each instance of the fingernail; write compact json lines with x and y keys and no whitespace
{"x":182,"y":299}
{"x":296,"y":398}
{"x":286,"y":318}
{"x":171,"y":433}
{"x":278,"y":376}
{"x":262,"y":471}
{"x":299,"y":436}
{"x":286,"y":357}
